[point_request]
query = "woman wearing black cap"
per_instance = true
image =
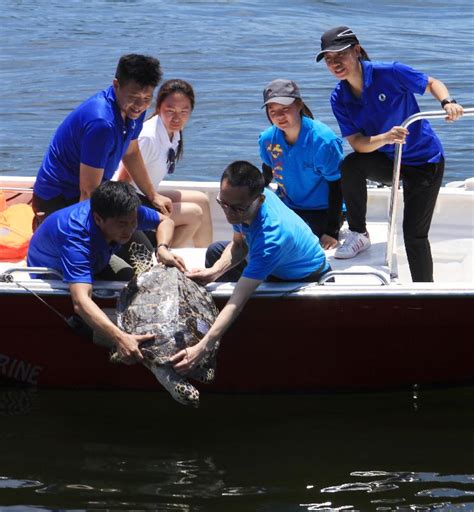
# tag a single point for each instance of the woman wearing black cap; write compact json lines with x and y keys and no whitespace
{"x":303,"y":156}
{"x":370,"y":103}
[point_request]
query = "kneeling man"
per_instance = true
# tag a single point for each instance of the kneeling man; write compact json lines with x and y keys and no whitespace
{"x":80,"y":241}
{"x":270,"y":242}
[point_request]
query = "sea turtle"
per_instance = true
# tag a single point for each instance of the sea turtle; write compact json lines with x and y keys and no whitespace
{"x":163,"y":301}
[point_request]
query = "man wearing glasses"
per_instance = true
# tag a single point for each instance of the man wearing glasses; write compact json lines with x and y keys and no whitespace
{"x":270,"y":243}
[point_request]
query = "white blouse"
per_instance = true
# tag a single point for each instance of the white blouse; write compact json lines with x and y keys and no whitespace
{"x":154,"y":144}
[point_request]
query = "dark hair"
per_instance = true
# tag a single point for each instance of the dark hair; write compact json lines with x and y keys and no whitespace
{"x":170,"y":87}
{"x":144,"y":70}
{"x":114,"y":199}
{"x":244,"y":174}
{"x":363,"y":54}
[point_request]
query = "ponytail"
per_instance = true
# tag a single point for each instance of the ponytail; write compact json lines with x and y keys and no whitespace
{"x":363,"y":54}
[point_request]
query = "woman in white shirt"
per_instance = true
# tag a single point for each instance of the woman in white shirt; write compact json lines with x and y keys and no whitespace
{"x":161,"y":145}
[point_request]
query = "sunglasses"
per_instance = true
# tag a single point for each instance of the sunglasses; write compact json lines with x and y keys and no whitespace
{"x":240,"y":210}
{"x":171,"y":161}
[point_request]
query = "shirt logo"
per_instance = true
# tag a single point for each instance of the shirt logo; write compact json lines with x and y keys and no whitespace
{"x":382,"y":97}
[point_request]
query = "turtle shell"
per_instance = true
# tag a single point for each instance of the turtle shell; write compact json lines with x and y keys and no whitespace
{"x":166,"y":303}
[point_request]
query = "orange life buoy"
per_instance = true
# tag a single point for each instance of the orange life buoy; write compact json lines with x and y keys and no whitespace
{"x":3,"y":201}
{"x":15,"y":232}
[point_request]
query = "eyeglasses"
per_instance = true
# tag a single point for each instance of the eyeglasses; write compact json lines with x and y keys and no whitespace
{"x":240,"y":210}
{"x":171,"y":161}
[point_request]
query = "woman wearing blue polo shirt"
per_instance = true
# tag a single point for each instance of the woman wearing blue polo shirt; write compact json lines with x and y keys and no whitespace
{"x":370,"y":103}
{"x":303,"y":156}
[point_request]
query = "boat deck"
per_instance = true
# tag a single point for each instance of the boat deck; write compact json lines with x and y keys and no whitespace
{"x":451,"y":237}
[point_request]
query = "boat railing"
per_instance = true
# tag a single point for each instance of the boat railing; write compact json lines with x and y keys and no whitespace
{"x":329,"y":276}
{"x":393,"y":211}
{"x":7,"y":274}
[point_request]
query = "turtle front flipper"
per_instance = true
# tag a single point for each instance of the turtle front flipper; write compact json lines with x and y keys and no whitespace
{"x":178,"y":387}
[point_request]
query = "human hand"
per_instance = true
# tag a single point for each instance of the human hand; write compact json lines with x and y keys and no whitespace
{"x":170,"y":259}
{"x":396,"y":135}
{"x":202,"y":275}
{"x":186,"y":360}
{"x":328,"y":242}
{"x":454,"y":111}
{"x":163,"y":204}
{"x":128,"y":347}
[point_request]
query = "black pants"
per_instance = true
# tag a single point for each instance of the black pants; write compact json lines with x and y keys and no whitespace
{"x":421,"y":186}
{"x":44,"y":207}
{"x":317,"y":220}
{"x":215,"y":250}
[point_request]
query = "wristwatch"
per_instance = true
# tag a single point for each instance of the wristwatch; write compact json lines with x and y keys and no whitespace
{"x":162,"y":245}
{"x":447,"y":100}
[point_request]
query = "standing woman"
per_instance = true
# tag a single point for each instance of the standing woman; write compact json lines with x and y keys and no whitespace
{"x":304,"y":156}
{"x":370,"y":103}
{"x":161,"y":145}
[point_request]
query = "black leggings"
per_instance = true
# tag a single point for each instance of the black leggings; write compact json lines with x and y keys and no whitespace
{"x":421,"y":186}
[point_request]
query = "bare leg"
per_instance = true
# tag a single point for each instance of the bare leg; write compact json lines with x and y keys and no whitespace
{"x":192,"y":203}
{"x":187,"y":218}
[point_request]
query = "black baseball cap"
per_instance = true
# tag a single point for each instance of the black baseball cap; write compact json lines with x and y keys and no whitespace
{"x":336,"y":39}
{"x":281,"y":91}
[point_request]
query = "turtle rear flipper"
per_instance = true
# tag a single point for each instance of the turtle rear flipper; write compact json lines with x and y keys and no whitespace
{"x":178,"y":387}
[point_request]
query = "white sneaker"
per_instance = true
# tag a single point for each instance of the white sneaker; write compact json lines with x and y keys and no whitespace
{"x":353,"y":245}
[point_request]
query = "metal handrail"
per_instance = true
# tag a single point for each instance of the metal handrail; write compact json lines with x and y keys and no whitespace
{"x":397,"y":161}
{"x":7,"y":274}
{"x":328,"y":275}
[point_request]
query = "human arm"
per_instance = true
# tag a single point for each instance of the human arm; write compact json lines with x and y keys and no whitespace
{"x":127,"y":344}
{"x":232,"y":255}
{"x":440,"y":92}
{"x":185,"y":360}
{"x":164,"y":235}
{"x":330,"y":236}
{"x":366,"y":144}
{"x":267,"y":174}
{"x":328,"y":158}
{"x":135,"y":166}
{"x":89,"y":179}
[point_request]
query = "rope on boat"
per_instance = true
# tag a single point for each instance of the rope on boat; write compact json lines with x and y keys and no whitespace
{"x":8,"y":278}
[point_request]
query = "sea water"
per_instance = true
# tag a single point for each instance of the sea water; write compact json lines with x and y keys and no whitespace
{"x":55,"y":54}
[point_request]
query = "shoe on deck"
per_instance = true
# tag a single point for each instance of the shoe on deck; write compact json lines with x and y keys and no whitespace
{"x":353,"y":245}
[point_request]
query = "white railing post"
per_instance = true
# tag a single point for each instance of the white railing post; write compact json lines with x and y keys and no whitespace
{"x":397,"y":162}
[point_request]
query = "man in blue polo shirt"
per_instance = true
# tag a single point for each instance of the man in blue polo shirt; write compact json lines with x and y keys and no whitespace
{"x":80,"y":240}
{"x":89,"y":144}
{"x":270,"y":242}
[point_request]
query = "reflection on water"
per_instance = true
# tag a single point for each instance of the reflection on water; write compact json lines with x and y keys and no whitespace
{"x":141,"y":451}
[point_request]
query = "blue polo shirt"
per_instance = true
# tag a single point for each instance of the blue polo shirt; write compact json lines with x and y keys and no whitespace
{"x":280,"y":243}
{"x":387,"y":100}
{"x":302,"y":170}
{"x":94,"y":134}
{"x":70,"y":241}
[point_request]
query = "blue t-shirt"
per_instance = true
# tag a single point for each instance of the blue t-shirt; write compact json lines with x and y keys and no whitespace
{"x":70,"y":241}
{"x":302,"y":170}
{"x":387,"y":100}
{"x":93,"y":134}
{"x":280,"y":243}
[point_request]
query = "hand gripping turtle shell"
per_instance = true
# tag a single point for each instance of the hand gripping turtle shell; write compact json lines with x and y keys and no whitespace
{"x":161,"y":300}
